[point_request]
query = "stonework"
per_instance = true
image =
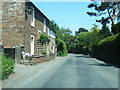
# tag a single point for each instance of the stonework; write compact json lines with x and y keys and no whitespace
{"x":16,"y":26}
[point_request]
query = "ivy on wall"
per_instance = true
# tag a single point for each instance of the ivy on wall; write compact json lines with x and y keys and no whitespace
{"x":44,"y":38}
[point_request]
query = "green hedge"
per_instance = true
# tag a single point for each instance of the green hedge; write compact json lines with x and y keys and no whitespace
{"x":61,"y":47}
{"x":7,"y":67}
{"x":108,"y":49}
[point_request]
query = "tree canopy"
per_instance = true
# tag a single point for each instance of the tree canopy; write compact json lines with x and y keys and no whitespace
{"x":111,"y":9}
{"x":81,"y":30}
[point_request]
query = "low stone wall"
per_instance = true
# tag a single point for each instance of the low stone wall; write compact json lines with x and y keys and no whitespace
{"x":51,"y":56}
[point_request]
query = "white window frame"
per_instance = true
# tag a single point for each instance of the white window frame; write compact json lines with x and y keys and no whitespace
{"x":32,"y":17}
{"x":32,"y":45}
{"x":44,"y":28}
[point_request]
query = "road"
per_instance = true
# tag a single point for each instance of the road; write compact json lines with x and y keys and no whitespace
{"x":73,"y":71}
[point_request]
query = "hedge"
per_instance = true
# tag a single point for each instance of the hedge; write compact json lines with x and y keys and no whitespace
{"x":108,"y":50}
{"x":7,"y":67}
{"x":61,"y":47}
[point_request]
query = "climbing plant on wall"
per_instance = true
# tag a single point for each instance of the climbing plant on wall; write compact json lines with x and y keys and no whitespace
{"x":44,"y":38}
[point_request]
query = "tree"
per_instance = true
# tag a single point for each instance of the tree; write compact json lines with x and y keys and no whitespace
{"x":105,"y":31}
{"x":112,"y":9}
{"x":80,"y":30}
{"x":95,"y":28}
{"x":68,"y":39}
{"x":65,"y":31}
{"x":61,"y":45}
{"x":54,"y":26}
{"x":116,"y":27}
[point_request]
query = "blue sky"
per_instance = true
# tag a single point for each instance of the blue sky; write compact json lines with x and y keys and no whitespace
{"x":70,"y":15}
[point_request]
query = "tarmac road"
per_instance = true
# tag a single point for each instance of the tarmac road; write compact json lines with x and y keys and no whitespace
{"x":73,"y":71}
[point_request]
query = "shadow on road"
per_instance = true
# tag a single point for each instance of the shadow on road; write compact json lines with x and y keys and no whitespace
{"x":104,"y":64}
{"x":85,"y":56}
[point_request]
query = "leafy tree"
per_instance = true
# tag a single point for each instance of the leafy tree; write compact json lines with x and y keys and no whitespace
{"x":68,"y":39}
{"x":61,"y":45}
{"x":54,"y":26}
{"x":116,"y":27}
{"x":95,"y":28}
{"x":112,"y":9}
{"x":80,"y":30}
{"x":65,"y":31}
{"x":105,"y":31}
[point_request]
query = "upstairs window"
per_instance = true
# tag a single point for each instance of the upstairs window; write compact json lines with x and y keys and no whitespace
{"x":44,"y":22}
{"x":32,"y":17}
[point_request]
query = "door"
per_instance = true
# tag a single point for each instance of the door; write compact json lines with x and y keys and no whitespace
{"x":32,"y":44}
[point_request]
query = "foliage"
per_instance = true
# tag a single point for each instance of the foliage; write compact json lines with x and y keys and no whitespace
{"x":111,"y":9}
{"x":95,"y":28}
{"x":66,"y":31}
{"x":84,"y":41}
{"x":80,"y":30}
{"x":43,"y":52}
{"x":105,"y":31}
{"x":54,"y":26}
{"x":61,"y":47}
{"x":116,"y":28}
{"x":68,"y":39}
{"x":44,"y":38}
{"x":7,"y":67}
{"x":61,"y":36}
{"x":108,"y":49}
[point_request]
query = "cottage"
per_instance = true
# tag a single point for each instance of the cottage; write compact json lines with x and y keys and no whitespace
{"x":22,"y":25}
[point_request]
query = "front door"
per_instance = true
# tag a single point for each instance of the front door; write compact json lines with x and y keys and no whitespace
{"x":32,"y":44}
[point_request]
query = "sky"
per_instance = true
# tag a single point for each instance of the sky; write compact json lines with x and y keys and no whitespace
{"x":70,"y":15}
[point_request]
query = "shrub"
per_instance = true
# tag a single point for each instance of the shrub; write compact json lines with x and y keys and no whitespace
{"x":7,"y":67}
{"x":108,"y":49}
{"x":61,"y":47}
{"x":43,"y":52}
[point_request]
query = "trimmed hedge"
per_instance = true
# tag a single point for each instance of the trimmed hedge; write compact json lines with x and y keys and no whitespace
{"x":108,"y":50}
{"x":61,"y":47}
{"x":7,"y":67}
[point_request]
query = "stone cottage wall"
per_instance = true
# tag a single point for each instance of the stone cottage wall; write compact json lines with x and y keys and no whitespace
{"x":16,"y":25}
{"x":39,"y":26}
{"x":13,"y":23}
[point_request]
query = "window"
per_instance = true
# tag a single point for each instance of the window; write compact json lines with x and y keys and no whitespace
{"x":51,"y":33}
{"x":32,"y":17}
{"x":44,"y":29}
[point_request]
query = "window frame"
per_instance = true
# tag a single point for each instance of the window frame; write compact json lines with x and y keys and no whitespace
{"x":32,"y":17}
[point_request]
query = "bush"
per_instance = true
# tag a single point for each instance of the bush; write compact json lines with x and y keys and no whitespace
{"x":7,"y":67}
{"x":108,"y":49}
{"x":61,"y":47}
{"x":43,"y":52}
